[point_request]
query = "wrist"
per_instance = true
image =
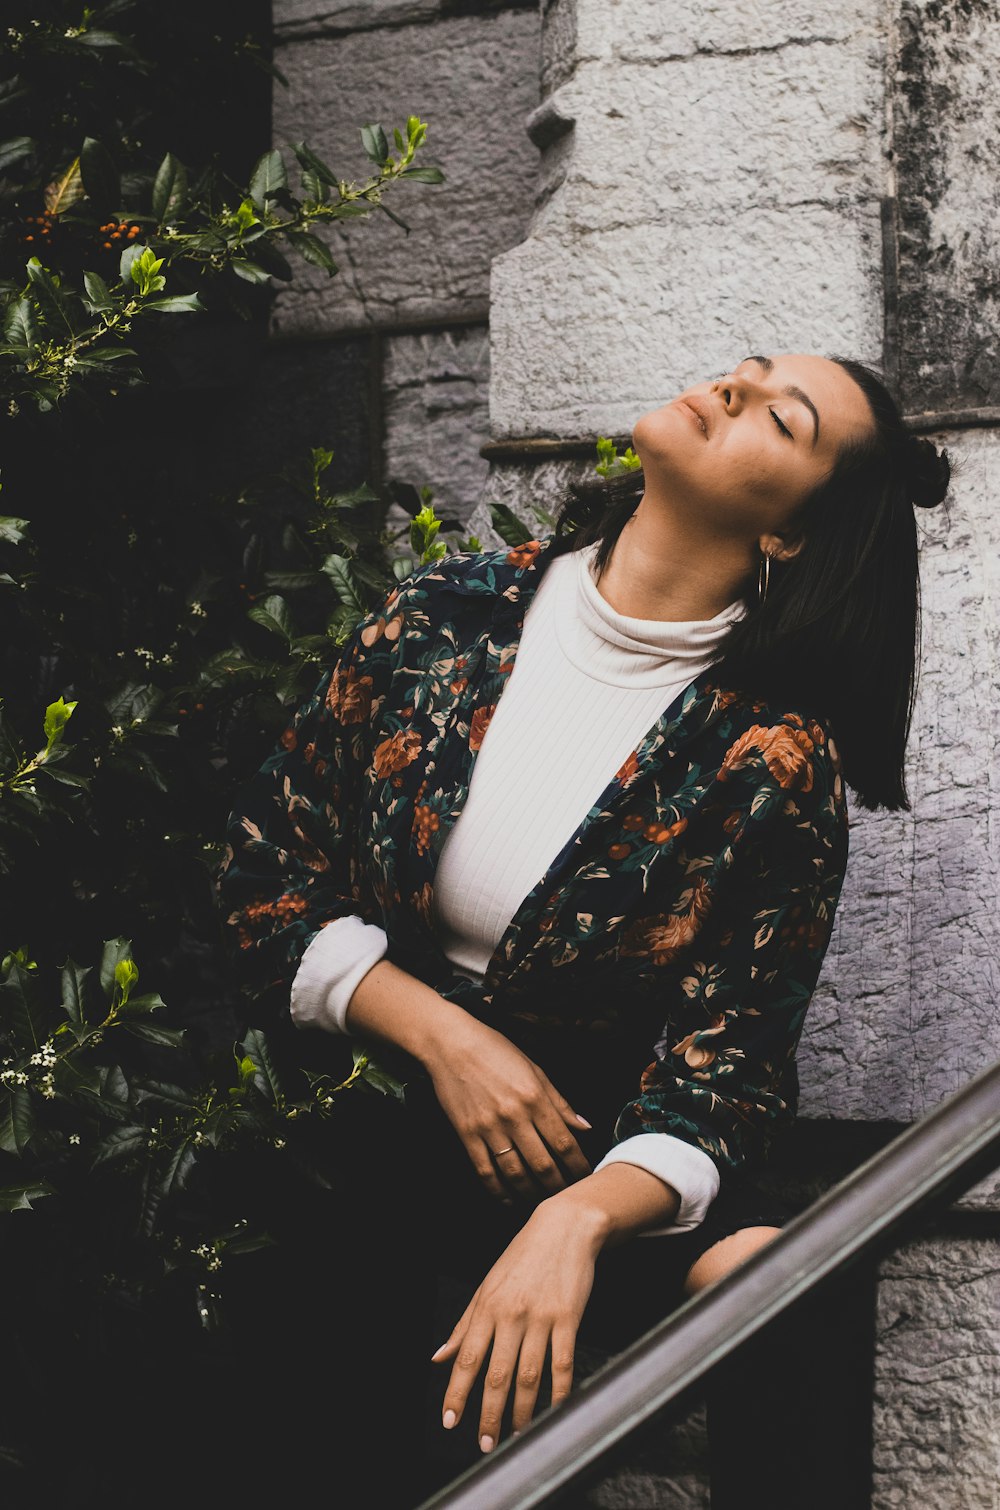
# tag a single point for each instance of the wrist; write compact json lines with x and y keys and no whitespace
{"x":586,"y":1213}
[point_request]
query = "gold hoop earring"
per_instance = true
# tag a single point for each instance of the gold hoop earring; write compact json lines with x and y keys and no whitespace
{"x":763,"y":575}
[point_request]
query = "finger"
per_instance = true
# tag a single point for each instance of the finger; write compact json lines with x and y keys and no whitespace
{"x":537,"y":1157}
{"x":562,"y":1106}
{"x":528,"y":1379}
{"x":449,"y":1347}
{"x":482,"y":1162}
{"x":468,"y":1361}
{"x":510,"y":1163}
{"x":496,"y":1386}
{"x":563,"y":1353}
{"x":562,"y":1143}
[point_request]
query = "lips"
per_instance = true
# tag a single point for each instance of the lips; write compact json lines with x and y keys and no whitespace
{"x":698,"y":410}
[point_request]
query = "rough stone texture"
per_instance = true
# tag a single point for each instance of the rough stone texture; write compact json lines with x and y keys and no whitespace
{"x":710,"y":184}
{"x":947,"y":121}
{"x":474,"y":80}
{"x":906,"y":1008}
{"x":435,"y":396}
{"x":298,"y":18}
{"x":937,"y":1393}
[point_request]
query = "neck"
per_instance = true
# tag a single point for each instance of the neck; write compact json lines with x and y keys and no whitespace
{"x":662,"y":569}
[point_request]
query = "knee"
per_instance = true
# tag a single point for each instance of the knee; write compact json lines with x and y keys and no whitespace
{"x":725,"y":1255}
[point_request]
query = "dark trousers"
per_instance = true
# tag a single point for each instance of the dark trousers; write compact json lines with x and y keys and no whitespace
{"x":321,"y":1381}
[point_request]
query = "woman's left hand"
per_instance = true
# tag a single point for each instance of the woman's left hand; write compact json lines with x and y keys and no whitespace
{"x":529,"y":1305}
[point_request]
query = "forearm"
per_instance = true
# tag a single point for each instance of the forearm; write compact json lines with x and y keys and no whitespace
{"x":619,"y":1201}
{"x":391,"y":1005}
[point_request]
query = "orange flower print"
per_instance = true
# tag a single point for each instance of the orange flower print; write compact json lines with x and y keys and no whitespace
{"x":426,"y":823}
{"x":663,"y":937}
{"x":659,"y":833}
{"x":628,"y":769}
{"x":396,"y":753}
{"x":480,"y":723}
{"x":695,"y":1053}
{"x":786,"y":753}
{"x":619,"y":851}
{"x":523,"y":555}
{"x":349,"y":696}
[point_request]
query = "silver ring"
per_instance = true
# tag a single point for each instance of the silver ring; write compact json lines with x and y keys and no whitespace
{"x":508,"y":1149}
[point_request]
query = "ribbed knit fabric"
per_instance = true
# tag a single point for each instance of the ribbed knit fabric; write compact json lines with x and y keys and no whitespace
{"x":587,"y":684}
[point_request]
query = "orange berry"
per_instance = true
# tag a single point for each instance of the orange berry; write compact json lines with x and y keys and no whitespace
{"x":107,"y":245}
{"x":199,"y":707}
{"x":29,"y":219}
{"x":182,"y":712}
{"x":29,"y":238}
{"x":133,"y":232}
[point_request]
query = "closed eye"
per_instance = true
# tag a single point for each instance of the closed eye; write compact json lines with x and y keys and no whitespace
{"x":783,"y":428}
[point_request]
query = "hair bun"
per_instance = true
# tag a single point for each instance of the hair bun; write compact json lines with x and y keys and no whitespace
{"x":928,"y":472}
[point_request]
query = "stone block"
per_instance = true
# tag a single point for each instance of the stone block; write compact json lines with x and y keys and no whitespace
{"x":474,"y":80}
{"x":946,"y":125}
{"x":296,"y":18}
{"x":655,"y":32}
{"x":905,"y":1011}
{"x":937,"y":1377}
{"x":591,"y":331}
{"x":435,"y":397}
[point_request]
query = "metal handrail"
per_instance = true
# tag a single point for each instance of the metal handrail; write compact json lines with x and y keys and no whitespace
{"x":925,"y":1166}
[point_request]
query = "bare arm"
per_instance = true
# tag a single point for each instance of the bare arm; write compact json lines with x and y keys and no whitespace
{"x":514,"y":1124}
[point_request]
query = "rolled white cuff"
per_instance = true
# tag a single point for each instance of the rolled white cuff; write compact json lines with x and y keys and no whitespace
{"x":685,"y":1168}
{"x":330,"y":970}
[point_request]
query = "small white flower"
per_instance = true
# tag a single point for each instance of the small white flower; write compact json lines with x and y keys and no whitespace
{"x":279,"y":1142}
{"x":74,"y":1138}
{"x":198,"y":611}
{"x":117,"y":730}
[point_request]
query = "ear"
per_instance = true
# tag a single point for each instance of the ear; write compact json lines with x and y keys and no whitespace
{"x":781,"y":547}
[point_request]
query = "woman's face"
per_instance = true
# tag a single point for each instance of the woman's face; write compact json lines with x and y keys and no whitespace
{"x":746,"y":449}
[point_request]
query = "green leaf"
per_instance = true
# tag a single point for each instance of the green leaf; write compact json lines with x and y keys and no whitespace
{"x":19,"y":328}
{"x":50,"y":296}
{"x":374,"y":142}
{"x":74,"y":991}
{"x":115,"y":951}
{"x":273,"y":614}
{"x":378,"y":1077}
{"x":313,"y":164}
{"x":313,"y":250}
{"x":126,"y":260}
{"x":109,"y":40}
{"x":177,"y":304}
{"x":162,"y":1097}
{"x":14,"y":150}
{"x":21,"y":1197}
{"x":100,"y":176}
{"x":12,"y":531}
{"x":126,"y":975}
{"x":142,"y":1006}
{"x":57,"y":716}
{"x":119,"y":1145}
{"x":257,"y":1049}
{"x":269,"y":178}
{"x":170,"y":187}
{"x":171,"y":1038}
{"x":98,"y":293}
{"x":426,"y":175}
{"x":338,"y":569}
{"x":249,"y":271}
{"x":507,"y":525}
{"x":17,"y":1120}
{"x":18,"y":1010}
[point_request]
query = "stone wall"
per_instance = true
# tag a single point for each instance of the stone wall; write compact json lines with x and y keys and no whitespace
{"x":409,"y":311}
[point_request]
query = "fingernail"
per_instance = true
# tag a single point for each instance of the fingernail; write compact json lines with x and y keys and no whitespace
{"x":583,"y":1121}
{"x":438,"y":1351}
{"x":516,"y":1433}
{"x":448,"y":1420}
{"x":486,"y":1443}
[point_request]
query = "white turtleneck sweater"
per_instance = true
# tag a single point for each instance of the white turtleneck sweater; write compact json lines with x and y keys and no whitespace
{"x":586,"y":680}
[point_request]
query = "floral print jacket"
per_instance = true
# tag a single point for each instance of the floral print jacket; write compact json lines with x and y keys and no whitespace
{"x":682,"y":927}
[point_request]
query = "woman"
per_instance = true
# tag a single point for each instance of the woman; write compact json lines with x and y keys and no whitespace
{"x":605,"y":919}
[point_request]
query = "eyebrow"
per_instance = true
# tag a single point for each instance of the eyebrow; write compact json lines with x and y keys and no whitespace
{"x":766,"y":365}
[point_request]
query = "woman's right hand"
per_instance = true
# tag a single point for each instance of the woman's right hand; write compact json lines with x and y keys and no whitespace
{"x":498,"y":1099}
